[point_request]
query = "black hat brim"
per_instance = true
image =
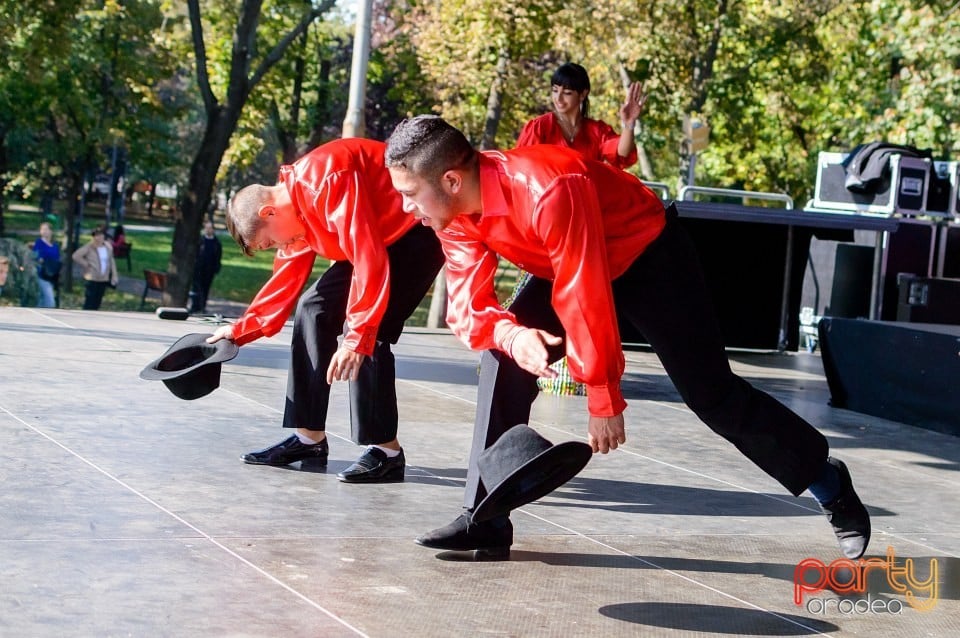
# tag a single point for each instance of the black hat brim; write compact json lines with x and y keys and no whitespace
{"x":187,"y":354}
{"x":534,"y":479}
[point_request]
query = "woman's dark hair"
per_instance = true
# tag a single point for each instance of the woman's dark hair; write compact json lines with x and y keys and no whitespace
{"x":428,"y":146}
{"x":574,"y":77}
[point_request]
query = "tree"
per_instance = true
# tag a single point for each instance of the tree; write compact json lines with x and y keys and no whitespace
{"x":481,"y":59}
{"x":28,"y":33}
{"x":244,"y":69}
{"x":82,"y":75}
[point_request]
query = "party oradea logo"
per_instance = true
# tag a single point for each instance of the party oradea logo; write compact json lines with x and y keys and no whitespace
{"x":915,"y":581}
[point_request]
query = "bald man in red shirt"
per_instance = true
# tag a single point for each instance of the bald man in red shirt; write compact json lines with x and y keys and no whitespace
{"x":596,"y":241}
{"x":336,"y":201}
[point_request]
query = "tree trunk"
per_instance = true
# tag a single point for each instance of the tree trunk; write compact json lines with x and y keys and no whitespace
{"x":3,"y":182}
{"x":71,"y":230}
{"x":322,"y":111}
{"x":495,"y":100}
{"x":194,"y":203}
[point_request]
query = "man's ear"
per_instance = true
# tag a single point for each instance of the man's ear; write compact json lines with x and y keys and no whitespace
{"x":267,"y":210}
{"x":452,"y":181}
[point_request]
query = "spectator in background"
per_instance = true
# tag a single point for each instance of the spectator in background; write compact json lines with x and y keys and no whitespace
{"x":207,"y":267}
{"x":4,"y":271}
{"x":119,"y":237}
{"x":99,"y":268}
{"x":47,"y":254}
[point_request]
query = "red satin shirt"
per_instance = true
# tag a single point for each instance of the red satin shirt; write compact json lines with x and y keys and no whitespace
{"x":595,"y":140}
{"x":579,"y":223}
{"x":346,"y":201}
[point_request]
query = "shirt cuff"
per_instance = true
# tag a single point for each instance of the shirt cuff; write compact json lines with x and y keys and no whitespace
{"x":246,"y":329}
{"x":605,"y":400}
{"x":362,"y":341}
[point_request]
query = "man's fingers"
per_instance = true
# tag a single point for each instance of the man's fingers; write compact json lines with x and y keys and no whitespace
{"x":552,"y":340}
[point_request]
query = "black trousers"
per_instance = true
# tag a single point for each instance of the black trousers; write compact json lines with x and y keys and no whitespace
{"x":93,"y":294}
{"x":664,"y":296}
{"x":415,"y":259}
{"x":202,"y":281}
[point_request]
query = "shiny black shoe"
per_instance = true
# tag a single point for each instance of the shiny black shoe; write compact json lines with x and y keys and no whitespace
{"x":290,"y":451}
{"x":847,"y":515}
{"x":488,"y":540}
{"x":374,"y":466}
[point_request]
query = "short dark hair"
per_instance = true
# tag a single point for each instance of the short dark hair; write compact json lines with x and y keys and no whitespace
{"x":427,"y":145}
{"x":243,"y":215}
{"x":574,"y":77}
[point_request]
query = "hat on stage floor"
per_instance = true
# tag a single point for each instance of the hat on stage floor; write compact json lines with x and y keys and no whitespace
{"x":190,"y":368}
{"x":522,"y":466}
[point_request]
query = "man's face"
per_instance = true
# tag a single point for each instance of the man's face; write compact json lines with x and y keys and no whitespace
{"x":280,"y":227}
{"x":428,"y":202}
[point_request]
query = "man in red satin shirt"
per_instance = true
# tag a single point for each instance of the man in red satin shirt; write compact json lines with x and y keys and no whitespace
{"x":596,"y":241}
{"x":337,"y":202}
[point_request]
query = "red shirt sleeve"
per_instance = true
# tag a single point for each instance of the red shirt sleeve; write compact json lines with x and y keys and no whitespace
{"x":608,"y":140}
{"x":473,"y":312}
{"x":273,"y":304}
{"x":569,"y":221}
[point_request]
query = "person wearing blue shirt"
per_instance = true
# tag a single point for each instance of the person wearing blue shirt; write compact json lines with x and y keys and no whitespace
{"x":47,"y":253}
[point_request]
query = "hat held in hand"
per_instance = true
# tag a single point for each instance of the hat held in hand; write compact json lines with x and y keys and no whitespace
{"x":522,"y":466}
{"x":190,"y":368}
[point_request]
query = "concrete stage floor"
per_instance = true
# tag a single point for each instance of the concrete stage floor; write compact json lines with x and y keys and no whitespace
{"x":127,"y":512}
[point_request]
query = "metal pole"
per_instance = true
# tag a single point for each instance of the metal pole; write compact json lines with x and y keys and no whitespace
{"x":354,"y":124}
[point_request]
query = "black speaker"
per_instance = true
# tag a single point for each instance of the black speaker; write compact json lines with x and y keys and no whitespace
{"x":929,"y":300}
{"x":910,"y":250}
{"x":852,"y":281}
{"x":902,"y":372}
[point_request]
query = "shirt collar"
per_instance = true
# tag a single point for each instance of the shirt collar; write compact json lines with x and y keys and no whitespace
{"x":491,"y":190}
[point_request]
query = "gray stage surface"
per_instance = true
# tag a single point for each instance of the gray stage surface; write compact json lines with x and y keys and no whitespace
{"x":127,"y":512}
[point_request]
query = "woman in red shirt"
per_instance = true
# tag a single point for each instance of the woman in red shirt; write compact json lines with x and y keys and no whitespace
{"x":569,"y":125}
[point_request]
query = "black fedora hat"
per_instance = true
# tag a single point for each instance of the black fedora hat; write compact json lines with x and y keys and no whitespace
{"x":522,"y":466}
{"x":190,"y":368}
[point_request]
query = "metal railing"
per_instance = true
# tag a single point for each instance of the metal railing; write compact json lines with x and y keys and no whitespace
{"x":658,"y":186}
{"x":730,"y":192}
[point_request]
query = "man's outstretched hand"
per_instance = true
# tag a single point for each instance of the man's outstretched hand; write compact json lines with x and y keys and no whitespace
{"x":529,"y":350}
{"x":223,"y":332}
{"x":606,"y":433}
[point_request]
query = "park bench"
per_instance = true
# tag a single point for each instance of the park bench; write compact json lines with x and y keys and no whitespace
{"x":122,"y":250}
{"x":153,"y":280}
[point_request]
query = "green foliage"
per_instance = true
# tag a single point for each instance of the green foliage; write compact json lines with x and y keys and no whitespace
{"x":777,"y":82}
{"x":21,"y":287}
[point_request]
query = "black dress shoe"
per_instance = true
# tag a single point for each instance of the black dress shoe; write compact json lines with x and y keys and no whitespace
{"x":847,"y":515}
{"x":490,"y":539}
{"x":374,"y":466}
{"x":290,"y":451}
